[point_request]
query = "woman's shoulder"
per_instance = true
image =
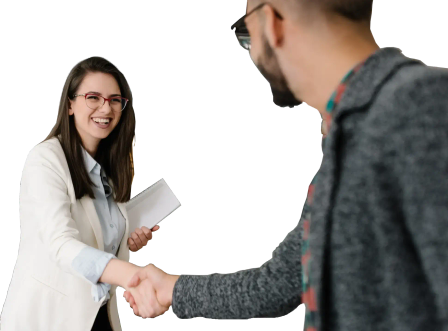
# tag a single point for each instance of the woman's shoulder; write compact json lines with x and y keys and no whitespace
{"x":49,"y":153}
{"x":47,"y":147}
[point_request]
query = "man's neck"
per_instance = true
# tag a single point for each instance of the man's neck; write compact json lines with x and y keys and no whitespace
{"x":338,"y":65}
{"x":329,"y":61}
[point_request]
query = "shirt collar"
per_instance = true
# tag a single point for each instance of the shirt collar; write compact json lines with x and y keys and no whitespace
{"x":90,"y":163}
{"x":376,"y":69}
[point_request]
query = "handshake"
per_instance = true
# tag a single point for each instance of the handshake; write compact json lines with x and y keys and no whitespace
{"x":150,"y":291}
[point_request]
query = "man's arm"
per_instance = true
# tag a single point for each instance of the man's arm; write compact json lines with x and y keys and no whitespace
{"x":168,"y":289}
{"x":272,"y":290}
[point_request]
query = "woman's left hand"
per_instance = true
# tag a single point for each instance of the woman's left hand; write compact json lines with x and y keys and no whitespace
{"x":140,"y":238}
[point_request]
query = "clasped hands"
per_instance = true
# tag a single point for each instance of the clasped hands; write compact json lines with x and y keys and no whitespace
{"x":150,"y":291}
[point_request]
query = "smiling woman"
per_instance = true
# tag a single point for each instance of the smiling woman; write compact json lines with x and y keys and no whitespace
{"x":75,"y":242}
{"x":90,"y":80}
{"x":102,"y":116}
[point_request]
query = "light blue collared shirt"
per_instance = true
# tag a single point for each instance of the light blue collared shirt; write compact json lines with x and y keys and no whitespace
{"x":91,"y":262}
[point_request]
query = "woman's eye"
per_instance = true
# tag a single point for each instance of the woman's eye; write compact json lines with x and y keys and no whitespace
{"x":116,"y":100}
{"x":92,"y":97}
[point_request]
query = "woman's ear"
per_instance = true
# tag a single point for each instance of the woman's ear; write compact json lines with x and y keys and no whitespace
{"x":70,"y":110}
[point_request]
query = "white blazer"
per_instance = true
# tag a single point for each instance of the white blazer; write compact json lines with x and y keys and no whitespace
{"x":46,"y":293}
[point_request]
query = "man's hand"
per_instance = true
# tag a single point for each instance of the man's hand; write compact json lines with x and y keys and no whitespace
{"x":157,"y":288}
{"x":144,"y":300}
{"x":140,"y":237}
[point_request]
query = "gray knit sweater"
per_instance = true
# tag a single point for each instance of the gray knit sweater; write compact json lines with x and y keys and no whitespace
{"x":379,"y":226}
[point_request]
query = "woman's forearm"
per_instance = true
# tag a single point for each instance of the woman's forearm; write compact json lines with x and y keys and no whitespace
{"x":118,"y":273}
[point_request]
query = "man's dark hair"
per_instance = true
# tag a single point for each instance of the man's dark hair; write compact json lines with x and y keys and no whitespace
{"x":353,"y":10}
{"x":357,"y":11}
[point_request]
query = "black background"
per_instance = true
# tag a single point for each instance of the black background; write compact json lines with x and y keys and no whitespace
{"x":205,"y":122}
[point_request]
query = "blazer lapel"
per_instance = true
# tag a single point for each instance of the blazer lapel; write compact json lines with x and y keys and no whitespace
{"x":90,"y":210}
{"x":94,"y":220}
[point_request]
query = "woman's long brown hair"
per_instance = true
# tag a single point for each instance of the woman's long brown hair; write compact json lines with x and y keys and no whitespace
{"x":114,"y":152}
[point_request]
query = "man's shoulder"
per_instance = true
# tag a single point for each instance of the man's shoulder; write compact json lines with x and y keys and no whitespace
{"x":412,"y":93}
{"x":418,"y":79}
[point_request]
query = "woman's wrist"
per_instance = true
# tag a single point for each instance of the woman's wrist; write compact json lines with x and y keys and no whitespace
{"x":118,"y":272}
{"x":129,"y":271}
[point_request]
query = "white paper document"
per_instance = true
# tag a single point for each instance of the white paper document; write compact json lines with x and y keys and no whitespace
{"x":151,"y":206}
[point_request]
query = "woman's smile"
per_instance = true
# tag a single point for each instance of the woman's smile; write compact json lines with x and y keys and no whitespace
{"x":102,"y":125}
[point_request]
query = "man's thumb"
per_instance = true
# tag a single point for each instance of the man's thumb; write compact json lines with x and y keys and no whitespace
{"x":135,"y":280}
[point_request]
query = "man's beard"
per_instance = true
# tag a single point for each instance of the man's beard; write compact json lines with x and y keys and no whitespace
{"x":283,"y":96}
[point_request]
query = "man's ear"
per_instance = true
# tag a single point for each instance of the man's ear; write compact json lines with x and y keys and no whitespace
{"x":273,"y":27}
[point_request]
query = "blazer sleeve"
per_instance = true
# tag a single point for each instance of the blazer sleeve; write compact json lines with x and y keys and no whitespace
{"x":91,"y":263}
{"x":45,"y":206}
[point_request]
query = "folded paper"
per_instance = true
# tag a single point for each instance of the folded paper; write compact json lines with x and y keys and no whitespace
{"x":151,"y":206}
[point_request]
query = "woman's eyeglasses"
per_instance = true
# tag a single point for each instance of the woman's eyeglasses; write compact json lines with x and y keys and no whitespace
{"x":95,"y":101}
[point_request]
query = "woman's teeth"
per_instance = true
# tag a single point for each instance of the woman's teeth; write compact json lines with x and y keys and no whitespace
{"x":102,"y":120}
